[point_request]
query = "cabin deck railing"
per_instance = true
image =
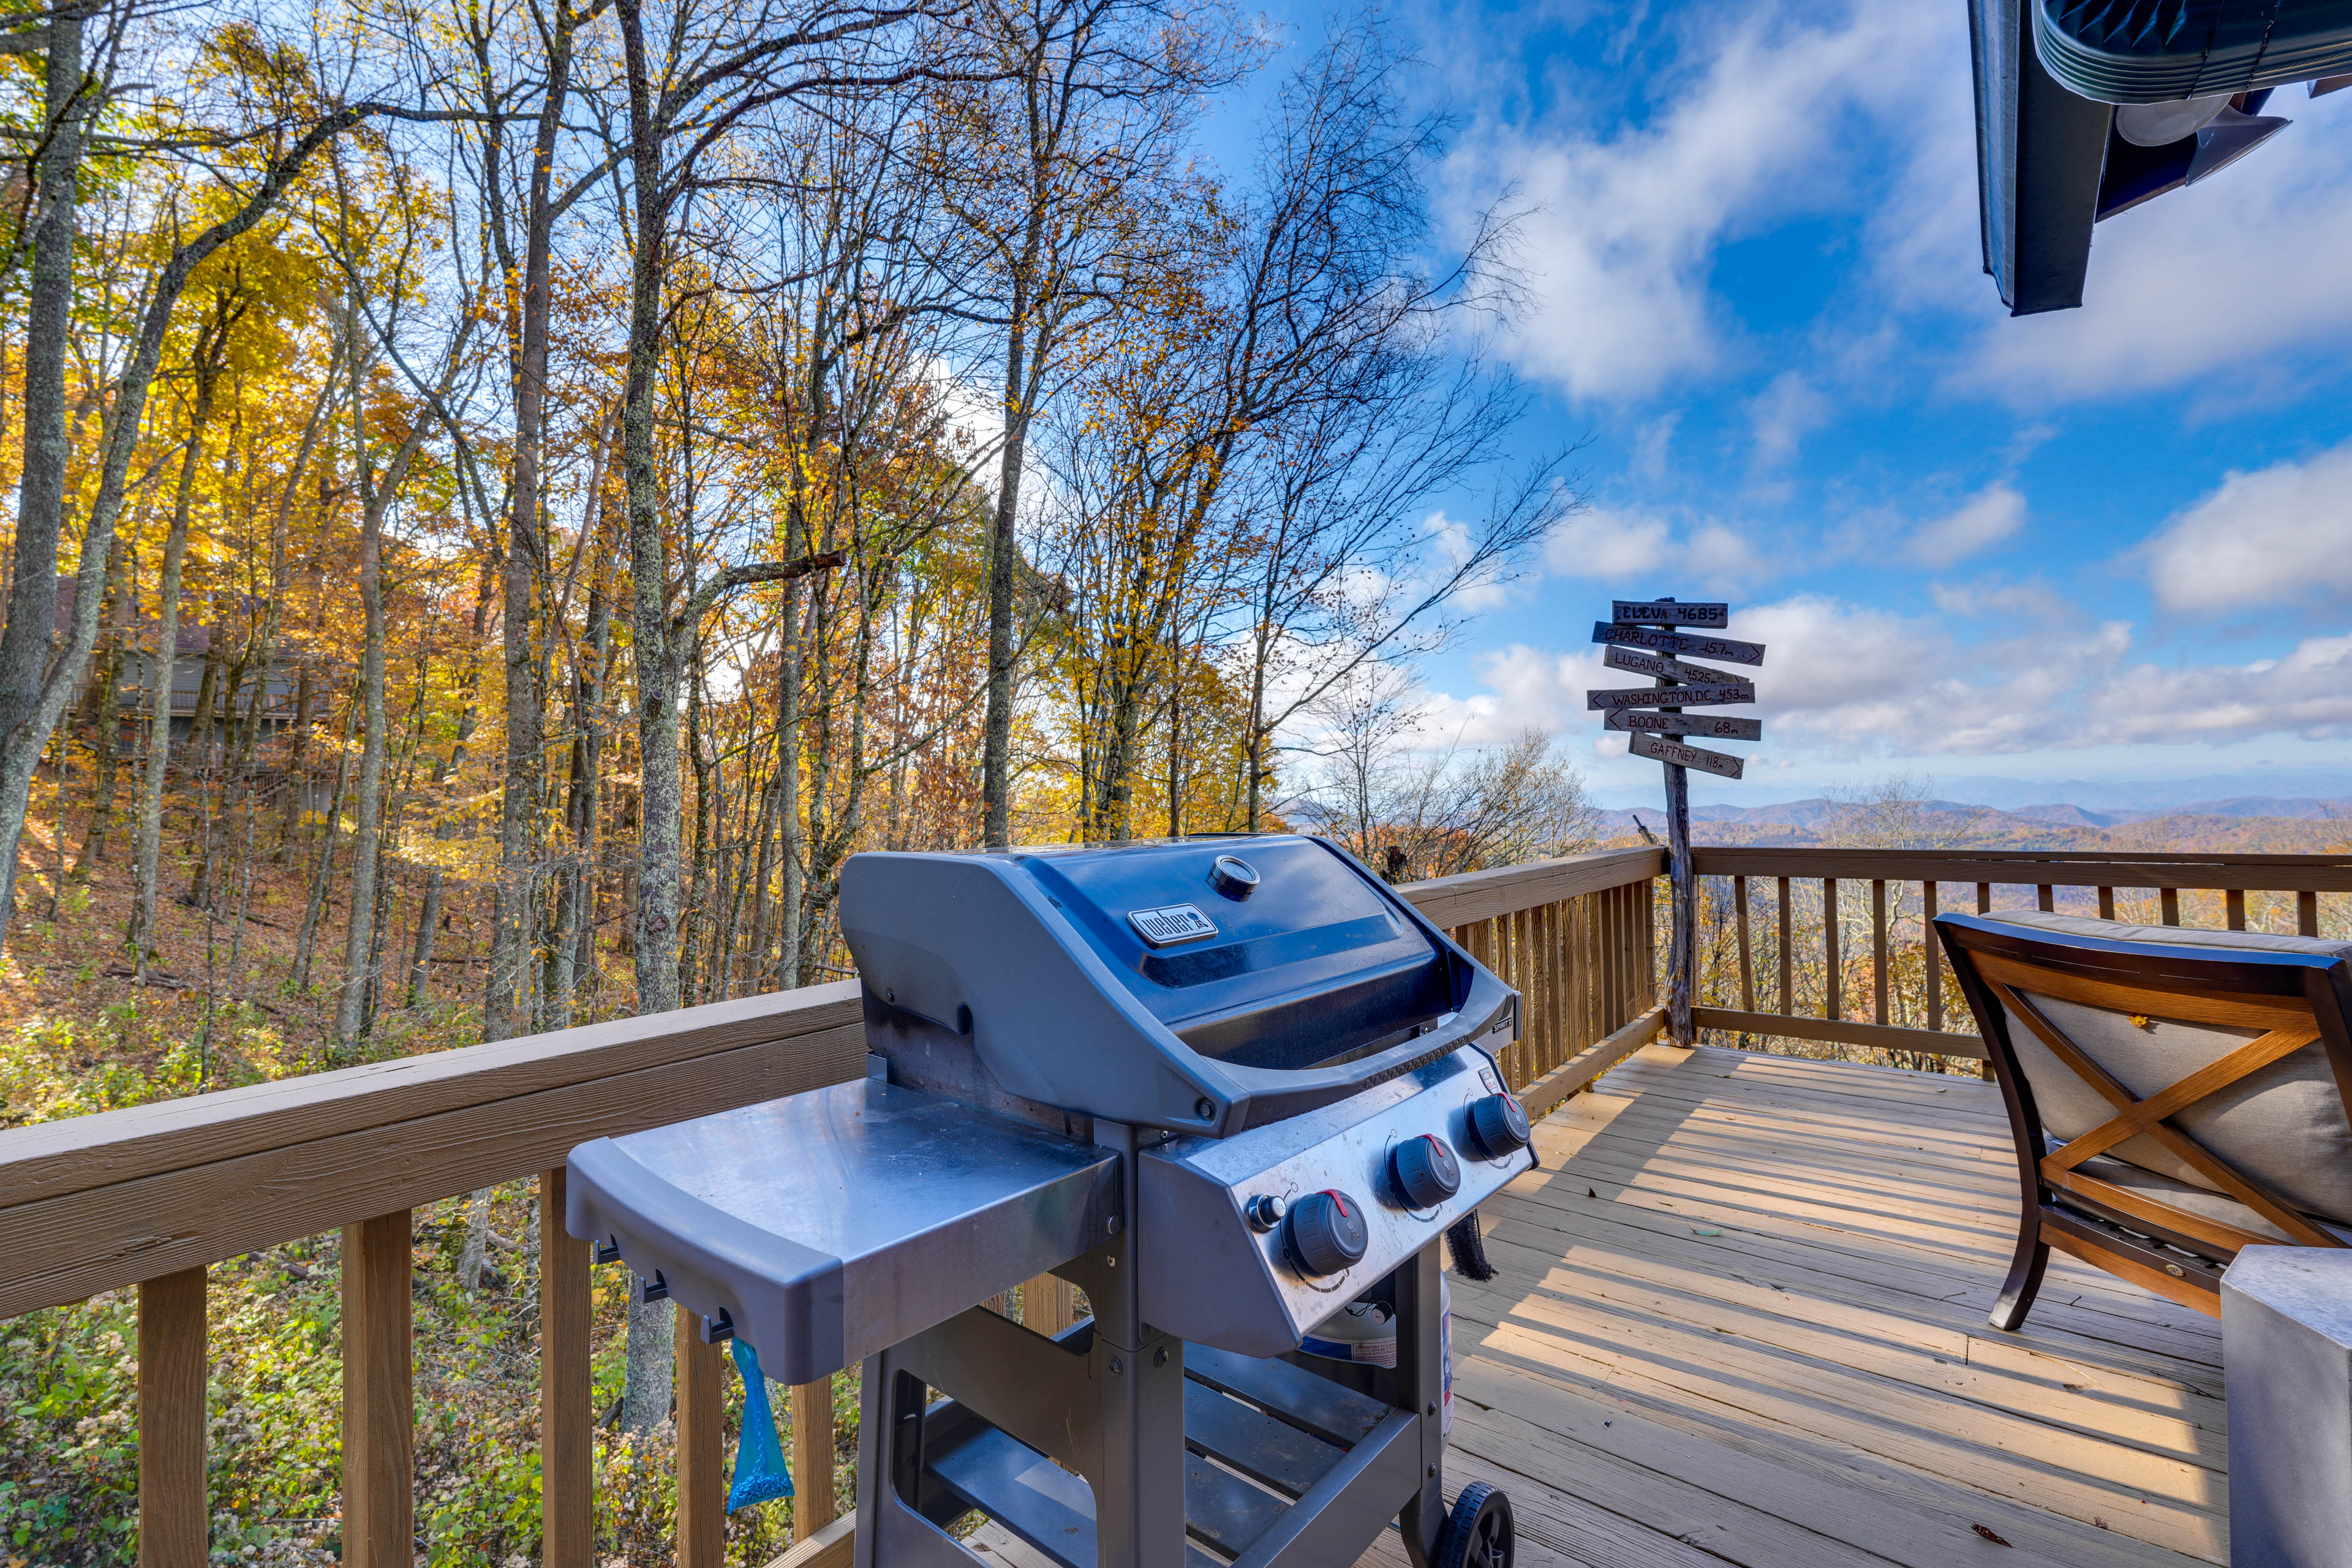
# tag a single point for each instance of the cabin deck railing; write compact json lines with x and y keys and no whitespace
{"x":150,"y":1197}
{"x":1795,"y":955}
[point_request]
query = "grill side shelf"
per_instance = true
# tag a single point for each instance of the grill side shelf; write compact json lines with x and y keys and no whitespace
{"x":1312,"y":1404}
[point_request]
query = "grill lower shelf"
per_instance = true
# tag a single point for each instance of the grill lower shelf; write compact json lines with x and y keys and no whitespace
{"x":1293,"y":1429}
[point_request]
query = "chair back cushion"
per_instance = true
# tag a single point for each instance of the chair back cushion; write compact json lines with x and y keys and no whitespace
{"x":2283,"y":1125}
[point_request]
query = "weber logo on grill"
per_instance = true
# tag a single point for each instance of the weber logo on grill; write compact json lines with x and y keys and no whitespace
{"x":1173,"y":923}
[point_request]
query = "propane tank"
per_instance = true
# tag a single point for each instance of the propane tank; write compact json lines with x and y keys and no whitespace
{"x":1365,"y":1332}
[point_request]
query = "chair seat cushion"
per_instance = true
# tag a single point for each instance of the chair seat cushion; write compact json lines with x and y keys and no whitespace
{"x":2284,"y":1126}
{"x":2196,"y":1200}
{"x":2170,"y":936}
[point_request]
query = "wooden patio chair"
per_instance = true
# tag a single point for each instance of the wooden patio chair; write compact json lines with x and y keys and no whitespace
{"x":2175,"y":1095}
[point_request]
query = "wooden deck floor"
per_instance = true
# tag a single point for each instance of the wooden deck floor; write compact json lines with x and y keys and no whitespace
{"x":1740,"y":1318}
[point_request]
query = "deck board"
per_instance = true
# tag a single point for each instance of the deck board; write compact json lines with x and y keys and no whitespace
{"x":1815,"y":1383}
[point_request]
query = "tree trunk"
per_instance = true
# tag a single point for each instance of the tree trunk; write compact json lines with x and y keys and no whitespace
{"x":996,"y":745}
{"x":365,"y":827}
{"x":41,"y":484}
{"x":506,"y":1007}
{"x":315,"y":905}
{"x":147,"y":863}
{"x":107,"y":738}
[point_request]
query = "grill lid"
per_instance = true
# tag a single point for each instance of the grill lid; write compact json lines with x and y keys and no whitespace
{"x":1196,"y":985}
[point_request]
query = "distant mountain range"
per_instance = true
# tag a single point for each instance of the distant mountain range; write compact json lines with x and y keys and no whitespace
{"x":2245,"y":823}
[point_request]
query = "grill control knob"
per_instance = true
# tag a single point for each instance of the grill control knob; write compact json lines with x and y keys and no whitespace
{"x":1499,"y":1126}
{"x":1326,"y":1233}
{"x":1423,"y":1171}
{"x":1233,"y":877}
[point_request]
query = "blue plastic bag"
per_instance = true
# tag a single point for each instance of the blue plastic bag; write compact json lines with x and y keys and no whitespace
{"x":760,"y":1473}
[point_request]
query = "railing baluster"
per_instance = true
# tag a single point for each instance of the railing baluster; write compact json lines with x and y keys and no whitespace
{"x":2306,"y":914}
{"x":1832,"y":986}
{"x":1543,"y":921}
{"x":174,"y":1515}
{"x":1788,"y":958}
{"x":379,"y":1398}
{"x":1048,"y":1304}
{"x":1984,"y":897}
{"x":566,"y":1419}
{"x":2168,"y":899}
{"x":1878,"y":949}
{"x":2045,"y":899}
{"x":1932,"y":951}
{"x":2234,"y":902}
{"x":2107,"y":903}
{"x":1646,"y":994}
{"x":1587,"y":969}
{"x":702,"y":1470}
{"x":1522,"y":973}
{"x":812,"y":1499}
{"x":1747,"y":958}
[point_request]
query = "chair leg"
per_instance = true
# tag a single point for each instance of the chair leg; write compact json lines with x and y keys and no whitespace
{"x":2025,"y":1270}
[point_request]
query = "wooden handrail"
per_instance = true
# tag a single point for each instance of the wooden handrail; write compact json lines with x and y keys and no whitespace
{"x":2068,"y":868}
{"x":2303,"y":876}
{"x":153,"y":1195}
{"x":1458,"y":900}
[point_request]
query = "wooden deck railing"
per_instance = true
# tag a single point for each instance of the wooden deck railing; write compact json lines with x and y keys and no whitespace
{"x":1912,"y":1004}
{"x":150,"y":1197}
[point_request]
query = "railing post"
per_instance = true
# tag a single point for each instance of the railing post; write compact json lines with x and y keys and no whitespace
{"x":1933,"y":953}
{"x":1788,"y":958}
{"x":379,"y":1399}
{"x":1747,"y":958}
{"x":812,"y":1504}
{"x":2306,"y":914}
{"x":566,"y":1422}
{"x":173,"y":1511}
{"x":2234,"y":903}
{"x":1832,"y":982}
{"x":1878,"y":949}
{"x":702,"y":1470}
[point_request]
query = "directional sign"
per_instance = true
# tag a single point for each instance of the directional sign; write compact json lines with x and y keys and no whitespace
{"x":1697,"y":647}
{"x":1670,"y":613}
{"x":1705,"y":726}
{"x":1671,"y":697}
{"x":1657,"y":748}
{"x":1636,"y":662}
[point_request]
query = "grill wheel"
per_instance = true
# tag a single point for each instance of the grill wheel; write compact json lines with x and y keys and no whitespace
{"x":1478,"y":1533}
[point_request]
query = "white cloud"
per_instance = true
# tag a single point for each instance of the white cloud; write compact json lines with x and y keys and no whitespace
{"x":1622,"y":231}
{"x":1609,"y":546}
{"x":1991,"y":515}
{"x":1631,"y":547}
{"x":2207,"y":280}
{"x":2279,"y":536}
{"x":1784,"y":414}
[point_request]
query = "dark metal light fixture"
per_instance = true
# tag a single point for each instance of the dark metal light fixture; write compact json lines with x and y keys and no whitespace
{"x":2088,"y":107}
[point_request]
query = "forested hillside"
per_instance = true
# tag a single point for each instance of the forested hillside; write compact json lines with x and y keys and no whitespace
{"x":506,"y":499}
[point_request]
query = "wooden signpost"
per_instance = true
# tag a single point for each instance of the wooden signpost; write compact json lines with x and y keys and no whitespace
{"x":1641,"y":638}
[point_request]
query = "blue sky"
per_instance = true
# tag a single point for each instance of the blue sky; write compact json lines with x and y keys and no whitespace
{"x":2111,"y":545}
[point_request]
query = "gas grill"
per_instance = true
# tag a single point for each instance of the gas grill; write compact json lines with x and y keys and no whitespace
{"x":1231,"y":1088}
